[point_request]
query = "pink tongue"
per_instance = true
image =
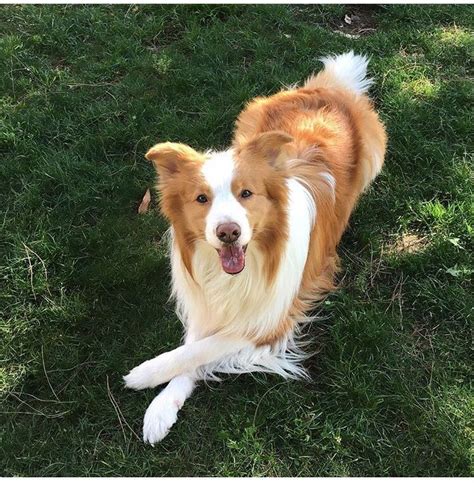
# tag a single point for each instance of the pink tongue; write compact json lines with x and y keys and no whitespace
{"x":232,"y":259}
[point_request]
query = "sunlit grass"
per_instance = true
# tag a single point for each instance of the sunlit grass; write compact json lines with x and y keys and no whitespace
{"x":85,"y":280}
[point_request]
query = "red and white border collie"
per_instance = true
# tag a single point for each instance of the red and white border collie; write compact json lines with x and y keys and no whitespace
{"x":254,"y":230}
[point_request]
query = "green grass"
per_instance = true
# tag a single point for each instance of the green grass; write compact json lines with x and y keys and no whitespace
{"x":85,"y":91}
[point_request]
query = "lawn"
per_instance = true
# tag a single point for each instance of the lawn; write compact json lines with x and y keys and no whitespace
{"x":85,"y":281}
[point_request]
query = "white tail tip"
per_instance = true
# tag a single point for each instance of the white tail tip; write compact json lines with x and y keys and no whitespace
{"x":349,"y":70}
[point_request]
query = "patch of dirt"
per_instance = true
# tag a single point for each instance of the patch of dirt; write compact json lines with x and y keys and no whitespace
{"x":358,"y":20}
{"x":409,"y":243}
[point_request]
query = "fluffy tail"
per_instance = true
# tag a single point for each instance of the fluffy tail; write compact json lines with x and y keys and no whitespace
{"x":346,"y":70}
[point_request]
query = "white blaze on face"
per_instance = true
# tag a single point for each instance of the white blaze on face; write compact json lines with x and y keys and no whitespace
{"x":218,"y":170}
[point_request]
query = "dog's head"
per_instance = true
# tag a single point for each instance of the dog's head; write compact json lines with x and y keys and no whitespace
{"x":229,"y":199}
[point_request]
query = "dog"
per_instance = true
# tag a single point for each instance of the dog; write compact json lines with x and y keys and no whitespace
{"x":254,"y":231}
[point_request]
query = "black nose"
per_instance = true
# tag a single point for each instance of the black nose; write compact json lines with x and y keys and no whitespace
{"x":228,"y":232}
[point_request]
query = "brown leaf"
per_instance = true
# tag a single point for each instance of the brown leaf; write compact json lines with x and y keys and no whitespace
{"x":143,"y":208}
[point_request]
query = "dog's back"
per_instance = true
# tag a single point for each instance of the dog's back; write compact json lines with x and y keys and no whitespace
{"x":338,"y":149}
{"x":329,"y":116}
{"x":349,"y":73}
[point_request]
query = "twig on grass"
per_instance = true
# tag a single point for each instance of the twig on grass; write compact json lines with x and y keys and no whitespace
{"x":34,"y":411}
{"x":30,"y":268}
{"x":118,"y":412}
{"x":46,"y":374}
{"x":262,"y":398}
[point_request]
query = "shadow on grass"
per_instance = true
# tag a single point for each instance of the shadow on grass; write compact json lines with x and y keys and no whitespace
{"x":87,"y":281}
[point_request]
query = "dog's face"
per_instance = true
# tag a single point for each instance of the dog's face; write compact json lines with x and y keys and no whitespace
{"x":226,"y":198}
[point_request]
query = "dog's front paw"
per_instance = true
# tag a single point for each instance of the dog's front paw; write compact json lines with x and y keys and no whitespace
{"x":140,"y":377}
{"x":150,"y":373}
{"x":159,"y":417}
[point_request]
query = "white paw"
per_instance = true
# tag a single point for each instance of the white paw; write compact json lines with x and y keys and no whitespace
{"x":150,"y":373}
{"x":140,"y":377}
{"x":161,"y":414}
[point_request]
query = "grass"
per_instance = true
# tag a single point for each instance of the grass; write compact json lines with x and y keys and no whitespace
{"x":85,"y":91}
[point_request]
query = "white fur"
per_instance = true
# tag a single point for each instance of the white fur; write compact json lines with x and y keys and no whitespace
{"x":225,"y":316}
{"x":184,"y":359}
{"x":162,"y":413}
{"x":222,"y":313}
{"x":218,"y":171}
{"x":244,"y":305}
{"x":350,"y":70}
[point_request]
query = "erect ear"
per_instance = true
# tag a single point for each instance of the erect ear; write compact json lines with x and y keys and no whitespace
{"x":170,"y":158}
{"x":273,"y":146}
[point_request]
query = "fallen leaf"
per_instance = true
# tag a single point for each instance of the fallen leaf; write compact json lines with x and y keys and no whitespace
{"x":455,"y":242}
{"x":143,"y":208}
{"x":459,"y":271}
{"x":454,"y":271}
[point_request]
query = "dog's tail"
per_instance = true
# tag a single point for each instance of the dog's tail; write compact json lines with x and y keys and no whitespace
{"x":348,"y":71}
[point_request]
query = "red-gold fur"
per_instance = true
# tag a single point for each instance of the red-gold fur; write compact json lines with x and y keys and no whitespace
{"x":181,"y":165}
{"x":299,"y":133}
{"x":255,"y":230}
{"x":333,"y":131}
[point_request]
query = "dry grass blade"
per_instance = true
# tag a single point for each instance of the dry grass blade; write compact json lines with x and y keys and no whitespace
{"x":46,"y":374}
{"x":119,"y":413}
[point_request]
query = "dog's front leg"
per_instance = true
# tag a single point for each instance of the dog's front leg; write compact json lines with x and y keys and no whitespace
{"x":162,"y":413}
{"x":184,"y":360}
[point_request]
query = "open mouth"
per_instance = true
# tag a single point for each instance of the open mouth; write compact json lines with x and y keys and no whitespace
{"x":232,"y":258}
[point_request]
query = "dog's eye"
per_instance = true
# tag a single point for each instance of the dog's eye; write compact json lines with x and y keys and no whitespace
{"x":202,"y":199}
{"x":246,"y":194}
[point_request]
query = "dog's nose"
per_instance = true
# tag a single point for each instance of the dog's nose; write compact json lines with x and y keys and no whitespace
{"x":228,"y":232}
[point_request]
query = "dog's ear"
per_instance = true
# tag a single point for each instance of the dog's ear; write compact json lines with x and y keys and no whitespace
{"x":273,"y":146}
{"x":170,"y":158}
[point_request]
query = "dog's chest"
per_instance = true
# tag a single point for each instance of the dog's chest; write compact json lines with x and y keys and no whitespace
{"x":242,"y":304}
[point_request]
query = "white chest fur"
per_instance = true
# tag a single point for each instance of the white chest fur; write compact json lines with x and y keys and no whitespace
{"x":244,"y":304}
